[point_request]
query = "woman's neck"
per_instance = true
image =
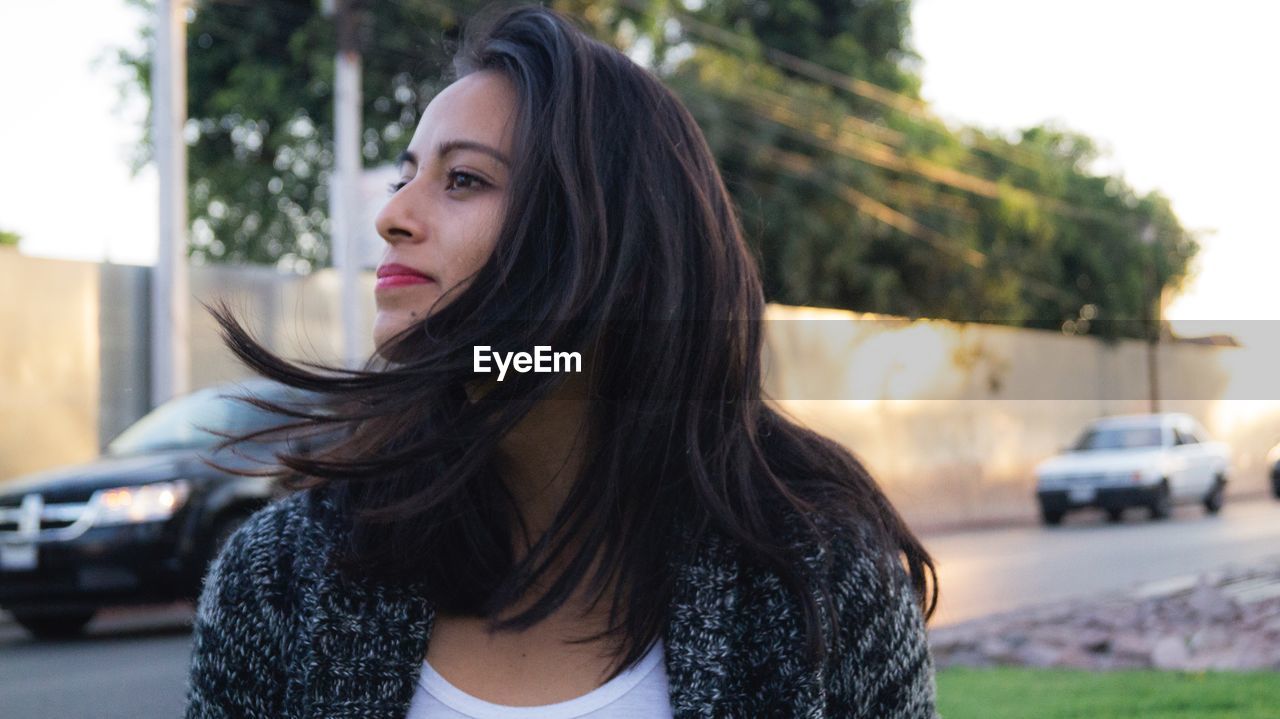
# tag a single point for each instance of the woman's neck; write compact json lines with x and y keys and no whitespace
{"x":539,"y":462}
{"x":542,"y":457}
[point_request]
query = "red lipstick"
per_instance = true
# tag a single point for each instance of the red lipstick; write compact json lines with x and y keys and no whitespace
{"x":397,"y":275}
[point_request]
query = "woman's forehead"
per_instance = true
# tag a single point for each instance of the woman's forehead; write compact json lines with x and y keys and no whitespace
{"x":479,"y":107}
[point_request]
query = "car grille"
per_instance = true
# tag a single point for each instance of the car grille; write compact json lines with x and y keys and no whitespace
{"x":1097,"y":478}
{"x":36,"y":517}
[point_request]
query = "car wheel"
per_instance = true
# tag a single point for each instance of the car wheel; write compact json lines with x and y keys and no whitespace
{"x":1051,"y":517}
{"x":1213,"y":500}
{"x":65,"y":625}
{"x":1115,"y":514}
{"x":1162,"y":502}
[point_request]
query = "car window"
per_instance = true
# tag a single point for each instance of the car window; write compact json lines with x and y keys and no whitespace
{"x":1199,"y":432}
{"x":192,"y":422}
{"x":1102,"y":438}
{"x":1183,"y":436}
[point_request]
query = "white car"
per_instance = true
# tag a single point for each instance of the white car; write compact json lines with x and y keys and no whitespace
{"x":1142,"y":460}
{"x":1273,"y":469}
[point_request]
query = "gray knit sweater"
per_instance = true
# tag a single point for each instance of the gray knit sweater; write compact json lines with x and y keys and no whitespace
{"x":278,"y":634}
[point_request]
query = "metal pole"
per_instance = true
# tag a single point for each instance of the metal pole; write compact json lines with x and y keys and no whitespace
{"x":170,"y":321}
{"x":1153,"y":339}
{"x":344,"y":201}
{"x":1152,"y":311}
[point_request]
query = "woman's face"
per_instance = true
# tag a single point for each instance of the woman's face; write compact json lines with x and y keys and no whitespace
{"x":442,"y":221}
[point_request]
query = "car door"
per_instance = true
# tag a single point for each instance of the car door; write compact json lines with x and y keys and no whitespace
{"x":1195,"y":460}
{"x":1213,"y":453}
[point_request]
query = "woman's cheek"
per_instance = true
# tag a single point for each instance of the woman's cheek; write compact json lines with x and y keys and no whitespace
{"x":479,"y":249}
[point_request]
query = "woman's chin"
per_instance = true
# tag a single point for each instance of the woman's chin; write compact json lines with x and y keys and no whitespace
{"x":386,"y":340}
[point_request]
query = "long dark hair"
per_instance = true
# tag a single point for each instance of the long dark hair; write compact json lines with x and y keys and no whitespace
{"x":620,"y":239}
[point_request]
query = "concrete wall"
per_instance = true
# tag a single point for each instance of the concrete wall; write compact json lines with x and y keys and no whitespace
{"x":123,"y":308}
{"x":48,"y":362}
{"x":950,"y":418}
{"x":74,"y":359}
{"x":299,"y":316}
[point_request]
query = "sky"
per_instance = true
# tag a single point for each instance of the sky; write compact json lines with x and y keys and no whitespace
{"x":65,"y":142}
{"x":1177,"y":92}
{"x":1181,"y":94}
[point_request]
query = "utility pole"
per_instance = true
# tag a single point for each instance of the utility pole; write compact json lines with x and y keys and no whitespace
{"x":170,"y":312}
{"x":1153,"y":316}
{"x":344,"y":203}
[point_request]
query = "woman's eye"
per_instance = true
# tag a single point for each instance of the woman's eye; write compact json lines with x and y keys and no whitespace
{"x":459,"y":180}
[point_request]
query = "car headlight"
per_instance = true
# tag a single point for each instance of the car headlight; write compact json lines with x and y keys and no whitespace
{"x":143,"y":503}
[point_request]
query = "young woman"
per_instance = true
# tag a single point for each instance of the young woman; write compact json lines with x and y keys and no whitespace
{"x":644,"y":537}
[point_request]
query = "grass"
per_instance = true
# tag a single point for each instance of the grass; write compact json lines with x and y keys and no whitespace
{"x":1009,"y":693}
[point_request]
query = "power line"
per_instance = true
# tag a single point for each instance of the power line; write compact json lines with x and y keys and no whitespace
{"x":802,"y":167}
{"x":850,"y":135}
{"x":826,"y":136}
{"x":884,"y":213}
{"x":905,"y":104}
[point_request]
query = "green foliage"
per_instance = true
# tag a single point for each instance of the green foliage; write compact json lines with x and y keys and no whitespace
{"x":10,"y":239}
{"x":859,"y":198}
{"x":1015,"y":693}
{"x":260,"y":103}
{"x":852,"y":195}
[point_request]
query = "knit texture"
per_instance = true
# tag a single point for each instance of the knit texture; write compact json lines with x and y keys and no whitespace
{"x":281,"y":634}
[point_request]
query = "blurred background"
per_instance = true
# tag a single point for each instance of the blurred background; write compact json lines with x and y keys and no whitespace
{"x":1019,"y":259}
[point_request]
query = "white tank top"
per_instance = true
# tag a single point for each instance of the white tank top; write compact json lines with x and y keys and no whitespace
{"x":640,"y":692}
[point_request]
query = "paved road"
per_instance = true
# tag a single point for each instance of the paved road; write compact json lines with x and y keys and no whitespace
{"x":130,"y":665}
{"x":133,"y":664}
{"x":989,"y":571}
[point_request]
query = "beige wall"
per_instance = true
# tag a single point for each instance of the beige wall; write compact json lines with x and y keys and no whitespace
{"x":951,"y":418}
{"x":73,"y":359}
{"x":48,"y":362}
{"x":298,"y":316}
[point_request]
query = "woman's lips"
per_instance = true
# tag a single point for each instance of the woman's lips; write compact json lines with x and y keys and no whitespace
{"x":395,"y":275}
{"x":400,"y":281}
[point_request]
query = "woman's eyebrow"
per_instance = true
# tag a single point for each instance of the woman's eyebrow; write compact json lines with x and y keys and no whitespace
{"x":448,"y":146}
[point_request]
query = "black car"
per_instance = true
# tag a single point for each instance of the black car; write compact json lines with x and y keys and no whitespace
{"x":141,"y":523}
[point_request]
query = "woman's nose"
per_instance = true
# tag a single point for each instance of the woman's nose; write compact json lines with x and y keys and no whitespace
{"x":396,"y":222}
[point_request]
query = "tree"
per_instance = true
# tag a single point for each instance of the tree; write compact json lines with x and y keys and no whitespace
{"x":10,"y":239}
{"x":853,"y":194}
{"x":260,"y":103}
{"x":860,"y":198}
{"x":1109,"y":251}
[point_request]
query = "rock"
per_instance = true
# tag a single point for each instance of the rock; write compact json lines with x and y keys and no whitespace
{"x":1208,"y":639}
{"x":1210,"y":604}
{"x":1036,"y":654}
{"x":998,"y":651}
{"x":1170,"y":653}
{"x":1201,"y":626}
{"x":1131,"y":647}
{"x":1076,"y":658}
